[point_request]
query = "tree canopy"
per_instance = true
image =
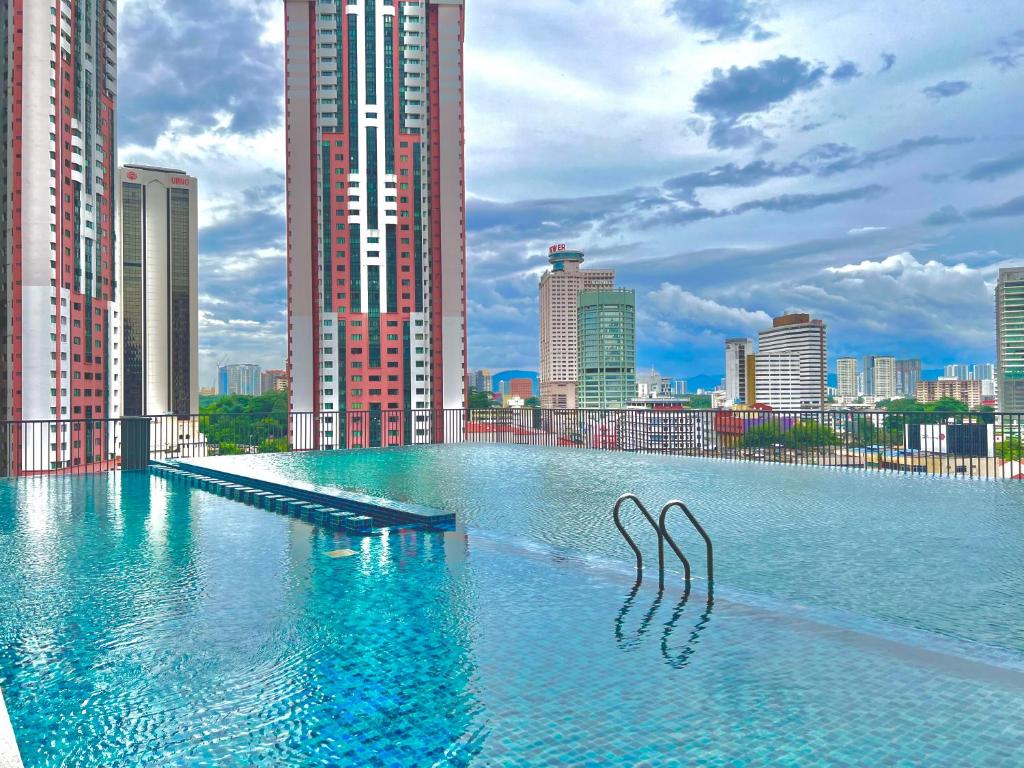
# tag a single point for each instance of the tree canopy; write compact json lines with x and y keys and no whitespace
{"x":234,"y":423}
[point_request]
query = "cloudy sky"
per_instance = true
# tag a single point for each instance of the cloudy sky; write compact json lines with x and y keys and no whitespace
{"x":731,"y":159}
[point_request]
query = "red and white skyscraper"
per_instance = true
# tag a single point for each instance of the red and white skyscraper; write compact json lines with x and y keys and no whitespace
{"x":58,"y":293}
{"x":376,"y":222}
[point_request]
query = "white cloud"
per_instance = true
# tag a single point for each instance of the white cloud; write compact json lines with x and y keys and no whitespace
{"x":676,"y":304}
{"x":226,"y":163}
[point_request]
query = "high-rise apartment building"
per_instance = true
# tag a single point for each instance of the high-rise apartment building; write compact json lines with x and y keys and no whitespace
{"x":957,"y":371}
{"x":481,"y":380}
{"x":908,"y":374}
{"x":880,"y":377}
{"x":736,"y":353}
{"x":376,"y":227}
{"x":846,"y":378}
{"x":606,"y":377}
{"x":1010,"y":339}
{"x":560,"y":288}
{"x":158,"y":241}
{"x":245,"y":379}
{"x":982,"y":372}
{"x":791,"y":363}
{"x":59,"y":337}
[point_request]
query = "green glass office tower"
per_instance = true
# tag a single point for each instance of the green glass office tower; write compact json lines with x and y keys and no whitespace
{"x":1010,"y":339}
{"x":607,"y":348}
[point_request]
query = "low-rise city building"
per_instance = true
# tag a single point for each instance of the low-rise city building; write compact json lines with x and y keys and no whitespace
{"x":967,"y":392}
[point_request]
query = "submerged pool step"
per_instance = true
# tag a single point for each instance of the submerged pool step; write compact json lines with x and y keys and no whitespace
{"x":322,"y":515}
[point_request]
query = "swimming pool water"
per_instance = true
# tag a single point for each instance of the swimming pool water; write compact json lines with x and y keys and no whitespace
{"x":936,"y":554}
{"x":148,"y":624}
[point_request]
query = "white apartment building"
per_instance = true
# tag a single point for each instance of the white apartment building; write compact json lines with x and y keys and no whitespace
{"x":560,"y":288}
{"x":736,"y":352}
{"x":884,"y":378}
{"x":846,"y":379}
{"x":790,"y":363}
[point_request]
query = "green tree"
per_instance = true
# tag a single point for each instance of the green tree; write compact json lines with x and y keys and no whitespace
{"x":762,"y":436}
{"x":864,"y":432}
{"x":1011,"y":449}
{"x":235,"y":422}
{"x":478,"y":400}
{"x":810,"y":434}
{"x":700,"y":402}
{"x":532,"y":402}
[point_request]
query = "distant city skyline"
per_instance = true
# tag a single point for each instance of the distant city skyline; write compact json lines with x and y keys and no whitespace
{"x":761,"y":186}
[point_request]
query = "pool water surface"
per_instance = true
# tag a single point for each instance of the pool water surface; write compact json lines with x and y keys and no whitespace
{"x":147,"y":623}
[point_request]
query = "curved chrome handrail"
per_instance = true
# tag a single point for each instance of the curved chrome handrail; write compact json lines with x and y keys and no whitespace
{"x":663,"y":535}
{"x":617,"y":518}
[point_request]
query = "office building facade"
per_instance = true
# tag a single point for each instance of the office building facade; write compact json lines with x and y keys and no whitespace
{"x":158,"y":242}
{"x":521,"y":388}
{"x":606,"y":376}
{"x":846,"y":379}
{"x":59,"y":319}
{"x":560,"y":289}
{"x":908,"y":374}
{"x":376,"y":227}
{"x":790,"y":367}
{"x":736,"y":353}
{"x":1010,"y":340}
{"x":653,"y":386}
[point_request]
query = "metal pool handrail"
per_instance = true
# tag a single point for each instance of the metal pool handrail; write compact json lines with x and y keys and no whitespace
{"x":617,"y":518}
{"x":666,"y":537}
{"x":661,"y":530}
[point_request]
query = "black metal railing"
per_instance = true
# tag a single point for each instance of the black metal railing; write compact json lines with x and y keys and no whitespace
{"x":976,"y":445}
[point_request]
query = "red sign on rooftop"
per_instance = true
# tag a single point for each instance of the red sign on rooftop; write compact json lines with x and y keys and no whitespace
{"x":556,"y":248}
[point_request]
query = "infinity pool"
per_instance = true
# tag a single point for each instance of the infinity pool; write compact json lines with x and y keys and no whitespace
{"x":148,"y":624}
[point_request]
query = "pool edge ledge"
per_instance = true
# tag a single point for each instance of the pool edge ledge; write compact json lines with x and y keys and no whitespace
{"x":10,"y":757}
{"x":384,"y":512}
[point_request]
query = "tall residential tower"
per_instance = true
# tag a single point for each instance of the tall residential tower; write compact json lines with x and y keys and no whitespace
{"x":846,"y":379}
{"x":376,"y":222}
{"x":58,"y":292}
{"x":1010,"y":339}
{"x":560,"y":288}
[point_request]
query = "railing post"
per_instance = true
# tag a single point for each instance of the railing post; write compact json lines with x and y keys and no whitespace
{"x":135,"y":443}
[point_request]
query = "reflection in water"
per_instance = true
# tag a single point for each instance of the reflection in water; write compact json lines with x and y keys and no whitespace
{"x":680,"y":657}
{"x":675,"y":657}
{"x":628,"y":643}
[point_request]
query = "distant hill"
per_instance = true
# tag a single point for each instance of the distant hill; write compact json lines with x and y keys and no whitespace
{"x":504,"y":376}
